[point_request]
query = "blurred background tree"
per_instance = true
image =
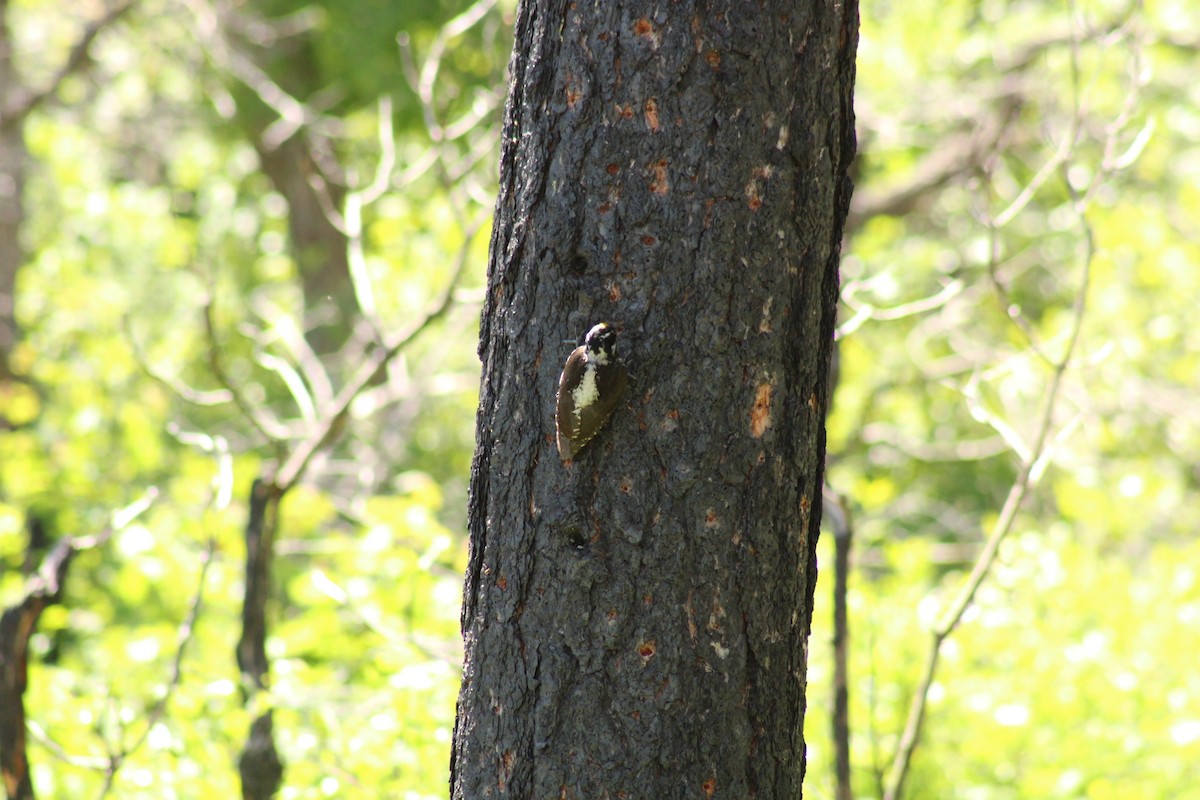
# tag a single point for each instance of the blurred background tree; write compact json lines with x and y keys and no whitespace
{"x":253,"y":236}
{"x":1012,"y":431}
{"x":230,"y":207}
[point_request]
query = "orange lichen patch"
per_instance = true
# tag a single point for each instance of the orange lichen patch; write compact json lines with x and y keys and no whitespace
{"x":647,"y":649}
{"x":574,"y":93}
{"x":659,"y":183}
{"x":753,"y":198}
{"x":760,"y":413}
{"x":506,"y":769}
{"x":645,"y":29}
{"x":713,"y":58}
{"x":650,"y":109}
{"x":753,"y":190}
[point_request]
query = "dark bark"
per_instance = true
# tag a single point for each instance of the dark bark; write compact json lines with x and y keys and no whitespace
{"x":259,"y":765}
{"x":318,"y":246}
{"x":17,"y":624}
{"x":14,"y":159}
{"x":636,"y":623}
{"x":843,"y":536}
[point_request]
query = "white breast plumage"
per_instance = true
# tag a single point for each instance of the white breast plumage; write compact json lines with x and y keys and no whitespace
{"x":586,"y":392}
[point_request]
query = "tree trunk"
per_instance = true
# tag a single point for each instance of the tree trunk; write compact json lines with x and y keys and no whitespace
{"x":318,"y":246}
{"x":636,"y":621}
{"x":14,"y":158}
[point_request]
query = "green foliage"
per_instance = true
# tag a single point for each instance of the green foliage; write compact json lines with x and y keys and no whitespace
{"x":145,"y":208}
{"x":1071,"y":674}
{"x":1072,"y":677}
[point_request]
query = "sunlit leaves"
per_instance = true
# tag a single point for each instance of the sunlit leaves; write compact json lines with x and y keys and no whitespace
{"x":145,"y":206}
{"x":1037,"y":141}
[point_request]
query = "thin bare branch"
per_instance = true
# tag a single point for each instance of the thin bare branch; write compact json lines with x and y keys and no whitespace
{"x":18,"y":623}
{"x":954,"y":157}
{"x":187,"y":630}
{"x":1033,"y":464}
{"x":867,"y":311}
{"x":293,"y":114}
{"x":485,"y":104}
{"x":352,"y":218}
{"x":424,"y":79}
{"x":316,"y":377}
{"x":292,"y":380}
{"x":198,"y":397}
{"x":270,"y":428}
{"x":333,"y":419}
{"x":77,"y":59}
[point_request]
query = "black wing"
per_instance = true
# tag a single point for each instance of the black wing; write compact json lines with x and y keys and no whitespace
{"x":577,"y":427}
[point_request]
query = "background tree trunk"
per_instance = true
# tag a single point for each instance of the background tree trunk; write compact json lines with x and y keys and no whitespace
{"x":14,"y":158}
{"x":636,"y":623}
{"x":317,"y":245}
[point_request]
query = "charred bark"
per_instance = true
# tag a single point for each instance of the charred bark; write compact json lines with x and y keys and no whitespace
{"x":636,"y":623}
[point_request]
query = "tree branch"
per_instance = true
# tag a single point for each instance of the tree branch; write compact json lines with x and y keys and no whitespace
{"x":17,"y":625}
{"x":834,"y":510}
{"x":77,"y":59}
{"x":333,"y":419}
{"x":1032,"y":467}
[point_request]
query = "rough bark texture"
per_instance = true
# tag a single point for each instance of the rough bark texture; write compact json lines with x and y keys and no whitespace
{"x":636,"y":623}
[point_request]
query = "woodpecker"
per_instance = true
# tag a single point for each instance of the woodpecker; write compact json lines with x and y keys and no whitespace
{"x":589,"y":388}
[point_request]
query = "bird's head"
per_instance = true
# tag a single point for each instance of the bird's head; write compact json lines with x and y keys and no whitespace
{"x":600,"y":342}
